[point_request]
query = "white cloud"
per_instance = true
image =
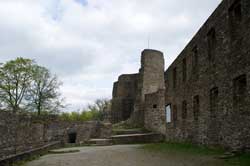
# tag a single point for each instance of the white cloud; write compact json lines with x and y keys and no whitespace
{"x":89,"y":43}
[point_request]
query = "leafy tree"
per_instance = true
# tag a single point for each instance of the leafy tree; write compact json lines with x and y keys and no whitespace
{"x":15,"y":78}
{"x":65,"y":116}
{"x":25,"y":85}
{"x":93,"y":111}
{"x":43,"y":92}
{"x":98,"y":108}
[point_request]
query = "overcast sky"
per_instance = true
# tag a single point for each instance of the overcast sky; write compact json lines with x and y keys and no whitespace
{"x":89,"y":43}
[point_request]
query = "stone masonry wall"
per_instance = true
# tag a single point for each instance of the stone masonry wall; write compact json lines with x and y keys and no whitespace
{"x":208,"y":85}
{"x":20,"y":133}
{"x":150,"y":80}
{"x":154,"y":119}
{"x":130,"y":89}
{"x":124,"y":94}
{"x":84,"y":130}
{"x":152,"y":70}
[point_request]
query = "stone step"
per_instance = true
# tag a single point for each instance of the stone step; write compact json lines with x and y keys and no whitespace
{"x":128,"y":131}
{"x":138,"y":138}
{"x":100,"y":142}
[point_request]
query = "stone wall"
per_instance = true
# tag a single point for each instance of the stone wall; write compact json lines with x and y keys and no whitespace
{"x":152,"y":70}
{"x":154,"y":119}
{"x":124,"y":94}
{"x":83,"y":131}
{"x":151,"y":80}
{"x":130,"y":90}
{"x":208,"y":86}
{"x":21,"y":133}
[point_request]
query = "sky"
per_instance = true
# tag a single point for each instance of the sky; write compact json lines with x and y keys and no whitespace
{"x":89,"y":43}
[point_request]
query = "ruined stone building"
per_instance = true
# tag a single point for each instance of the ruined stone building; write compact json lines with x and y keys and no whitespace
{"x":204,"y":95}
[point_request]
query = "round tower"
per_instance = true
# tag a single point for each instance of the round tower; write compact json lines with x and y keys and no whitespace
{"x":150,"y":80}
{"x":152,"y":71}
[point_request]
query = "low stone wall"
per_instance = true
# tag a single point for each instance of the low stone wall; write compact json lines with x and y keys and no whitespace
{"x":21,"y":133}
{"x":82,"y":131}
{"x":14,"y":158}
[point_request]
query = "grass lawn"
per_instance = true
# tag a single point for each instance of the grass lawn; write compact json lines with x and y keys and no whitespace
{"x":186,"y":148}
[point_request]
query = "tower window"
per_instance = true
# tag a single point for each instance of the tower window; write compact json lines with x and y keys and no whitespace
{"x":184,"y":110}
{"x":184,"y":70}
{"x":239,"y":92}
{"x":174,"y":77}
{"x":235,"y":17}
{"x":168,"y":113}
{"x":195,"y":59}
{"x":235,"y":12}
{"x":214,"y":93}
{"x":175,"y":115}
{"x":196,"y":107}
{"x":211,"y":39}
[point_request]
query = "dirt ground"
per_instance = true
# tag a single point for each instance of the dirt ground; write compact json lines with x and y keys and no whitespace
{"x":122,"y":155}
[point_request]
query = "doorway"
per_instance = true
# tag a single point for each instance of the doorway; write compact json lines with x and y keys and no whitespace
{"x":72,"y":138}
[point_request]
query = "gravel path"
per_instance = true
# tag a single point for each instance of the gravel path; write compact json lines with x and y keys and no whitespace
{"x":121,"y":155}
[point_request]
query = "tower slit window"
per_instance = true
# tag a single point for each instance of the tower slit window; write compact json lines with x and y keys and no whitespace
{"x":184,"y":110}
{"x":235,"y":18}
{"x":214,"y":100}
{"x":196,"y":107}
{"x":168,"y":114}
{"x":235,"y":12}
{"x":195,"y":59}
{"x":175,"y":115}
{"x":211,"y":39}
{"x":174,"y":77}
{"x":184,"y":70}
{"x":239,"y":92}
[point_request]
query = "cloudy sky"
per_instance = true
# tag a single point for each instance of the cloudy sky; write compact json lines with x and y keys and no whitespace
{"x":89,"y":43}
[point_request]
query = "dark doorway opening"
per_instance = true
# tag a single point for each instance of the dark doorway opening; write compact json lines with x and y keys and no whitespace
{"x":72,"y":138}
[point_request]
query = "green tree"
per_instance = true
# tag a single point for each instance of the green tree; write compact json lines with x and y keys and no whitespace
{"x":15,"y":78}
{"x":93,"y":111}
{"x":43,"y":92}
{"x":98,"y":108}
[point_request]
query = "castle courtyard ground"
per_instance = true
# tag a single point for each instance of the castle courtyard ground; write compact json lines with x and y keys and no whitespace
{"x":123,"y":155}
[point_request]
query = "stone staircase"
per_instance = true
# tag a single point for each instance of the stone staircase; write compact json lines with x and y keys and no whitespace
{"x":128,"y":136}
{"x":128,"y":131}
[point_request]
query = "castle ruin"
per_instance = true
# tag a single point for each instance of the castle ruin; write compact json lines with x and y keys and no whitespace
{"x":204,"y":95}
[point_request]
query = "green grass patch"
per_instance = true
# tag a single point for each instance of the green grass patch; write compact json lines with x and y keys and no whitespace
{"x":239,"y":160}
{"x":183,"y":148}
{"x":122,"y":131}
{"x":190,"y":149}
{"x":125,"y":125}
{"x":23,"y":162}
